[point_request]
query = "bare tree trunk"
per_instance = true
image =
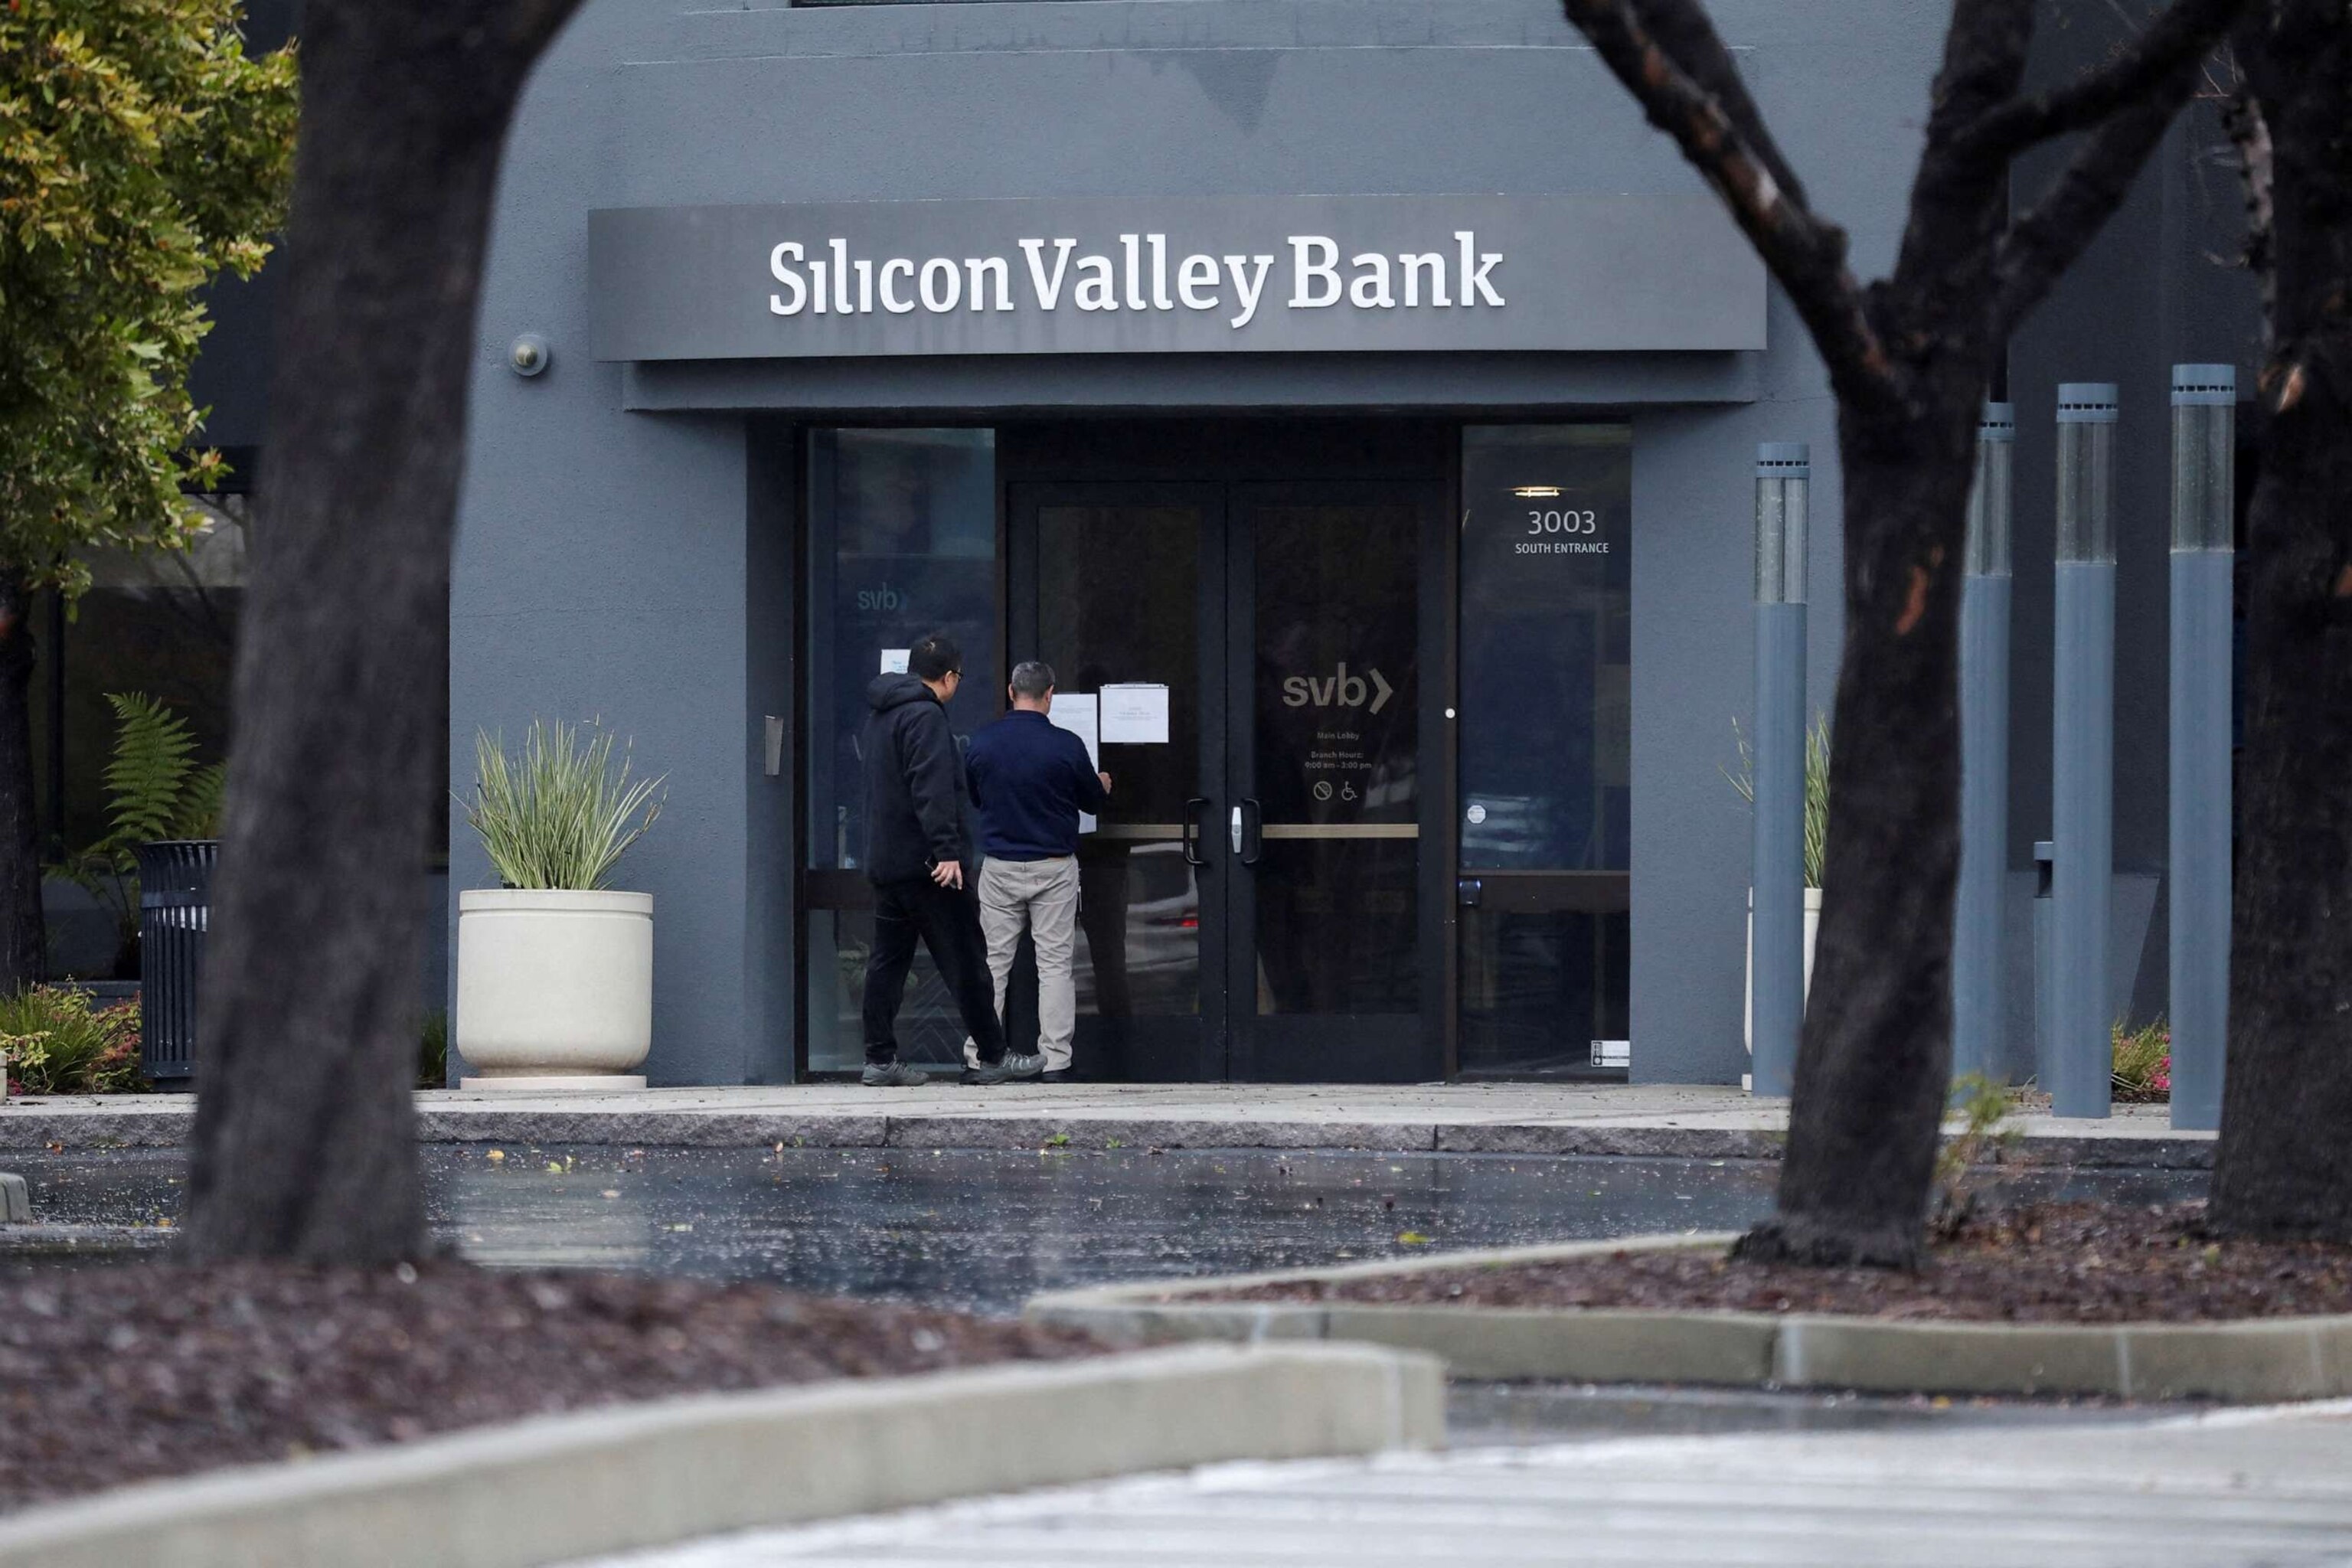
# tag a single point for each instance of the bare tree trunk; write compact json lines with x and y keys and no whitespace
{"x":1906,"y":360}
{"x":23,"y":937}
{"x":2284,"y":1164}
{"x":305,"y":1127}
{"x":1876,"y":1052}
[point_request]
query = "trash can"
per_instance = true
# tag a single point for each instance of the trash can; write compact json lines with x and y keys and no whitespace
{"x":176,"y":880}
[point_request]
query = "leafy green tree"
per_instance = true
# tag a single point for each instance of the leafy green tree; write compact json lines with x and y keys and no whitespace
{"x":143,"y":152}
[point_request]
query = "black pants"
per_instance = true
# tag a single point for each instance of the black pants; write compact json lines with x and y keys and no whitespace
{"x":948,"y":922}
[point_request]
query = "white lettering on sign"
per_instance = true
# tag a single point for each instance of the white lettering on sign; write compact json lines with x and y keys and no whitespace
{"x":1568,"y":521}
{"x":1138,"y":273}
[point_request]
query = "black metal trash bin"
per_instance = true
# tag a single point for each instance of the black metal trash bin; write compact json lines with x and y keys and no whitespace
{"x":175,"y":880}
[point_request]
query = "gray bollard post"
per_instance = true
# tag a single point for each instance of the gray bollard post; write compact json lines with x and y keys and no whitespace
{"x":1979,"y":992}
{"x":1783,"y":475}
{"x":2204,"y":436}
{"x":2083,"y":750}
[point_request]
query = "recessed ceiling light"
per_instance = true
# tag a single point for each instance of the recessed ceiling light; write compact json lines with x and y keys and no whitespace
{"x":1532,"y":491}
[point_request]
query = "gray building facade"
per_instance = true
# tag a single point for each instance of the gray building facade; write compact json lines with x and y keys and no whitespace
{"x":718,"y":511}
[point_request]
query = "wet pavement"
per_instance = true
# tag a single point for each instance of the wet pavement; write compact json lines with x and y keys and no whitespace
{"x":2254,"y":1489}
{"x":984,"y":1229}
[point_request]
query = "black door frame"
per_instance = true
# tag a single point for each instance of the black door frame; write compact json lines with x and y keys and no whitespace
{"x":1130,"y":453}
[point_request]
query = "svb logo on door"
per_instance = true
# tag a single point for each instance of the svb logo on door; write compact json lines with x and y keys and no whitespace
{"x":1338,"y":690}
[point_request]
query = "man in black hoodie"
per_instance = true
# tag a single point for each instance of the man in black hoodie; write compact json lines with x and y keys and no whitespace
{"x":916,"y":850}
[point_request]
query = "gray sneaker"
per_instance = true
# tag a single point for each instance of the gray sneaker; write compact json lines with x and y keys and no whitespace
{"x":1013,"y":1066}
{"x":894,"y":1075}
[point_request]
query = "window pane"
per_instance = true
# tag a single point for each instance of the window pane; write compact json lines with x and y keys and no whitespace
{"x":1545,"y":743}
{"x":1546,"y":719}
{"x":162,"y":624}
{"x":902,"y":542}
{"x":1538,"y":988}
{"x":930,"y":1031}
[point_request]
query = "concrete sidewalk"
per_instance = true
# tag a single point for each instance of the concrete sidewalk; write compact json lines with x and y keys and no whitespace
{"x":2262,"y":1488}
{"x":1639,"y":1119}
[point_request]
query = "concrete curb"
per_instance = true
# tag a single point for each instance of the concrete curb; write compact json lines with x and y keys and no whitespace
{"x":154,"y":1123}
{"x":578,"y":1486}
{"x":2277,"y":1359}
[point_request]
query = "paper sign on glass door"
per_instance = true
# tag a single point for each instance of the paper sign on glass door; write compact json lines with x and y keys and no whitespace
{"x":1076,"y":712}
{"x":1135,"y":715}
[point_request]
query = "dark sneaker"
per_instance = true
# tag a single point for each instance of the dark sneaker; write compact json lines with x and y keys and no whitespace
{"x":893,"y":1075}
{"x":1057,"y":1075}
{"x":1015,"y":1065}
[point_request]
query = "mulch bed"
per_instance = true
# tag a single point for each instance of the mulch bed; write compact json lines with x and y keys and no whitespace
{"x":2060,"y":1262}
{"x":140,"y":1371}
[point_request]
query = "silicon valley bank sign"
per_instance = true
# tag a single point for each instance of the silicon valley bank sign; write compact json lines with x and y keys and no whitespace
{"x":1596,"y":273}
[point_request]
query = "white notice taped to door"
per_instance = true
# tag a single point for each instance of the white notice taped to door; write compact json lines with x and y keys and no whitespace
{"x":1080,"y":714}
{"x":1135,"y":715}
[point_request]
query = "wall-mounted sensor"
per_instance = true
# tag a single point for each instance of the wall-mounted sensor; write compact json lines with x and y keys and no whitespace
{"x":527,"y":354}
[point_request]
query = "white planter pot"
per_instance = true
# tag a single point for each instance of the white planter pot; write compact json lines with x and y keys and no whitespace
{"x":1748,"y":996}
{"x":555,"y":989}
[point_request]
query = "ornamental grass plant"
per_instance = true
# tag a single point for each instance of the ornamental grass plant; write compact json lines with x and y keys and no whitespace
{"x":563,"y":813}
{"x":1817,"y":789}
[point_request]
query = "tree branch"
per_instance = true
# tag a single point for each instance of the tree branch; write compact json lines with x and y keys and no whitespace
{"x":1959,"y":202}
{"x":1688,"y":37}
{"x":2250,"y":133}
{"x":2046,"y":240}
{"x":2185,"y":32}
{"x":1805,"y":254}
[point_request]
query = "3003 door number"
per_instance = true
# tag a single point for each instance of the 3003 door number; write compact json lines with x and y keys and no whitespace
{"x":1570,"y":521}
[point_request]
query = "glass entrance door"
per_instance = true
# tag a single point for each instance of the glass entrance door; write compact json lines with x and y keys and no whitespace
{"x":1125,"y":585}
{"x":1324,"y":760}
{"x":1257,"y":903}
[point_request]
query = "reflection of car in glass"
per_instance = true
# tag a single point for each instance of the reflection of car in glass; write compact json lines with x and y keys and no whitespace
{"x":1162,"y":935}
{"x":1498,"y":828}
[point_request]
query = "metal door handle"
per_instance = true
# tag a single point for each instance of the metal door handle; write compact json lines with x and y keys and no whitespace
{"x":1255,"y":840}
{"x":1192,"y":831}
{"x":1237,"y":830}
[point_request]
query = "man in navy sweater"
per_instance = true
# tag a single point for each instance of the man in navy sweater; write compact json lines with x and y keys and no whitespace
{"x":1031,"y":780}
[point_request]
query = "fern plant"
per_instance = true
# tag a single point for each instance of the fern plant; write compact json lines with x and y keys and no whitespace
{"x":559,"y":815}
{"x":155,"y":790}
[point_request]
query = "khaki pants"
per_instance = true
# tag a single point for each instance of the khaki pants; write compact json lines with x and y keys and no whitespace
{"x":1043,"y":896}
